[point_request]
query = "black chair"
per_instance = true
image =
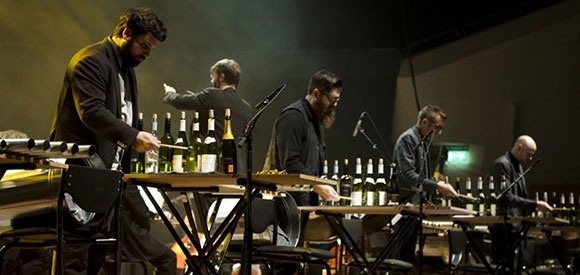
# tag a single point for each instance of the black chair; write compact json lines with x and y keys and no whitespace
{"x":391,"y":266}
{"x":280,"y":216}
{"x":459,"y":256}
{"x":93,"y":190}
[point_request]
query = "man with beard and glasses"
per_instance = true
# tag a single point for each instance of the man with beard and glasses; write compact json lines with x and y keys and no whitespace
{"x":225,"y":77}
{"x":98,"y":105}
{"x":297,"y":144}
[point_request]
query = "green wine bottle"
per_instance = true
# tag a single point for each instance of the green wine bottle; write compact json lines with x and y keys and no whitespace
{"x":180,"y":156}
{"x":345,"y":185}
{"x":210,"y":149}
{"x":152,"y":157}
{"x":165,"y":153}
{"x":381,"y":190}
{"x":358,"y":185}
{"x":195,"y":142}
{"x":370,"y":185}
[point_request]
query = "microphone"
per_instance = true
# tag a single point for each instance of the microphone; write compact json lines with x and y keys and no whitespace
{"x":535,"y":162}
{"x":422,"y":141}
{"x":358,"y":123}
{"x":270,"y":97}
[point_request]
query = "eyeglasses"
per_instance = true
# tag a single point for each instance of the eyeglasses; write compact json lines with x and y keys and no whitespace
{"x":332,"y":99}
{"x":437,"y":127}
{"x":144,"y":44}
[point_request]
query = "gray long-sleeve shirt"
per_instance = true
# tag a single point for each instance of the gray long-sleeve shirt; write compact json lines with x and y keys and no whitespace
{"x":409,"y":165}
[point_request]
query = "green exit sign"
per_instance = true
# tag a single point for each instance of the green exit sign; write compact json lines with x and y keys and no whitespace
{"x":458,"y":157}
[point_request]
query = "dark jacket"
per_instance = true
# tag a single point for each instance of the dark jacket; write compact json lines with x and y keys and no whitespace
{"x":409,"y":164}
{"x":89,"y":112}
{"x":218,"y":100}
{"x":297,"y":144}
{"x":517,"y":197}
{"x":89,"y":107}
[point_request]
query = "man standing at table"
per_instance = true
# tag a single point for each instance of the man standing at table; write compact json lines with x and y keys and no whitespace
{"x":411,"y":156}
{"x":297,"y":144}
{"x":515,"y":201}
{"x":98,"y":105}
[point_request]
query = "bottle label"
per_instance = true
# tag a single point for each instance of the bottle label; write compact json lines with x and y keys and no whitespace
{"x":344,"y":190}
{"x":177,"y":165}
{"x":356,"y":198}
{"x":382,"y":198}
{"x":151,"y":162}
{"x":154,"y":126}
{"x":493,"y":209}
{"x":482,"y":208}
{"x":469,"y":206}
{"x":196,"y":126}
{"x":227,"y":165}
{"x":208,"y":162}
{"x":182,"y":125}
{"x":178,"y":140}
{"x":198,"y":168}
{"x":370,"y":198}
{"x":211,"y":124}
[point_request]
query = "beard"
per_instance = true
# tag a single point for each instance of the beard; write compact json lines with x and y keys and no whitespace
{"x":216,"y":83}
{"x":326,"y":115}
{"x":129,"y":60}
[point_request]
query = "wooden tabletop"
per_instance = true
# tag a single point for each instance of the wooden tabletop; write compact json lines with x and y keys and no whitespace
{"x":388,"y":210}
{"x":201,"y":180}
{"x":484,"y":220}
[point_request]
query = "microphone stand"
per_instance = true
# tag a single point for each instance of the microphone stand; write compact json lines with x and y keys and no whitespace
{"x":246,"y":138}
{"x":425,"y":156}
{"x":506,"y":212}
{"x":373,"y":144}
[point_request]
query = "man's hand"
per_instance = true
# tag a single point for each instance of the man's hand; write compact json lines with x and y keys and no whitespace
{"x":446,"y":189}
{"x":543,"y":206}
{"x":168,"y":89}
{"x":326,"y":192}
{"x":146,"y":142}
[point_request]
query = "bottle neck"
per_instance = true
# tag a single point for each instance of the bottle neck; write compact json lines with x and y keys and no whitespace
{"x":345,"y":169}
{"x":182,"y":127}
{"x":210,"y":126}
{"x":154,"y":128}
{"x":228,"y":128}
{"x":369,"y":169}
{"x":358,"y":169}
{"x":168,"y":126}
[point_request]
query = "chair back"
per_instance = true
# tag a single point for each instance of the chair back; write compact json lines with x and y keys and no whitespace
{"x":457,"y":247}
{"x":288,"y":217}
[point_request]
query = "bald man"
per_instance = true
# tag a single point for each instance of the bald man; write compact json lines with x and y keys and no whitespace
{"x":516,"y":200}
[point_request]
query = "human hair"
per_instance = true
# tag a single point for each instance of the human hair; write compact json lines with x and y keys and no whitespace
{"x":231,"y":70}
{"x":324,"y":81}
{"x":141,"y":21}
{"x":430,"y":112}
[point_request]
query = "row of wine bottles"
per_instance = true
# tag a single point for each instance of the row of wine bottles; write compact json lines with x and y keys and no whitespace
{"x":488,"y":204}
{"x":566,"y":209}
{"x":189,"y":154}
{"x":485,"y":203}
{"x":365,"y":189}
